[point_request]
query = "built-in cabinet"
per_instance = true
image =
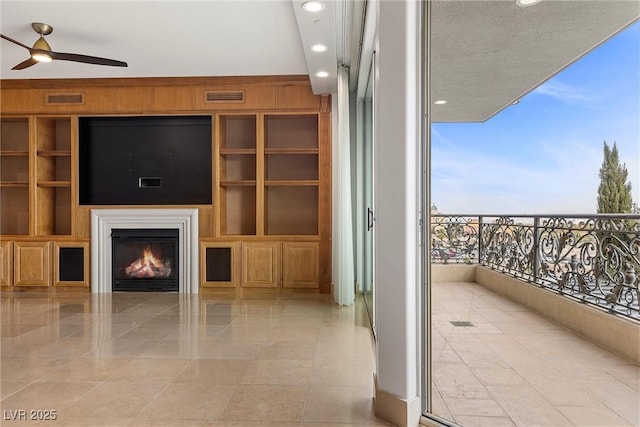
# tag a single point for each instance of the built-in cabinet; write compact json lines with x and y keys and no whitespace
{"x":6,"y":264}
{"x":261,"y":268}
{"x":300,"y":264}
{"x":15,"y":175}
{"x":269,"y":225}
{"x":32,"y":263}
{"x":53,"y":175}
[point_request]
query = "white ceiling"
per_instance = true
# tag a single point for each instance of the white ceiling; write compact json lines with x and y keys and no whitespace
{"x":485,"y":53}
{"x":157,"y":38}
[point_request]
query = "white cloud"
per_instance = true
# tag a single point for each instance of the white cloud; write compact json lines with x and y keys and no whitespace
{"x":567,"y":93}
{"x":468,"y":181}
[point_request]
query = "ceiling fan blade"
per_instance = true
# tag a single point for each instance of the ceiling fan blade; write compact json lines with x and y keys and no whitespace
{"x":86,"y":59}
{"x":15,"y":41}
{"x":25,"y":64}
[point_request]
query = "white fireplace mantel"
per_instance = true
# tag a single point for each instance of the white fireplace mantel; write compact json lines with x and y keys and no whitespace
{"x":104,"y":220}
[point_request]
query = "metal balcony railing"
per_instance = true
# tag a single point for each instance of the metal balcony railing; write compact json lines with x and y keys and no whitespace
{"x":594,"y":259}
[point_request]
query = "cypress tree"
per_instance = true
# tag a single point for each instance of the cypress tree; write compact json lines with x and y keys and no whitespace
{"x":614,"y":192}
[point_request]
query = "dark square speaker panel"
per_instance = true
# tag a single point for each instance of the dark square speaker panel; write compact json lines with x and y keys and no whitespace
{"x":218,"y":265}
{"x":71,"y":264}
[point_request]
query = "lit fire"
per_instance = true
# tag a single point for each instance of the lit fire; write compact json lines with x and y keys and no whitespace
{"x":148,"y":267}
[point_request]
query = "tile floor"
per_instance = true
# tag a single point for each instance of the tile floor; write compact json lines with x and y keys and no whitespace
{"x":161,"y":359}
{"x":514,"y":368}
{"x":131,"y":359}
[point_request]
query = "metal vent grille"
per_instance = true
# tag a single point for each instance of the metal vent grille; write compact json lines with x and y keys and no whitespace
{"x":63,"y":98}
{"x":224,"y":96}
{"x":461,"y":323}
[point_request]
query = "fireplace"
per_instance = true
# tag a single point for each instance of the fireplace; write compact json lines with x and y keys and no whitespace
{"x":104,"y":221}
{"x":144,"y":259}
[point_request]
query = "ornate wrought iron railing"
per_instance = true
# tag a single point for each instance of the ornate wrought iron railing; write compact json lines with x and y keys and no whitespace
{"x":594,"y":259}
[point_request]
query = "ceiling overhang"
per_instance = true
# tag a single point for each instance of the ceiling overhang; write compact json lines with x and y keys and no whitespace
{"x":487,"y":54}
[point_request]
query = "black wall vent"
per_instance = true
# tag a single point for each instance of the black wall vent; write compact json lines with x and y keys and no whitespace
{"x":63,"y":98}
{"x":224,"y":96}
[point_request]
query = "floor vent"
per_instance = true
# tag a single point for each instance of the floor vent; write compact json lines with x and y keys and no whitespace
{"x":224,"y":96}
{"x":461,"y":323}
{"x":63,"y":98}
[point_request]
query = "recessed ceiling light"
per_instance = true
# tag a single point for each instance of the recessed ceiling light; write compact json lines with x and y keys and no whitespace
{"x":319,"y":48}
{"x":525,"y":3}
{"x":322,"y":74}
{"x":440,"y":102}
{"x":312,"y":6}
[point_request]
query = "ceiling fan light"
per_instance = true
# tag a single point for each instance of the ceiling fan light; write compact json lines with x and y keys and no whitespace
{"x":41,"y":57}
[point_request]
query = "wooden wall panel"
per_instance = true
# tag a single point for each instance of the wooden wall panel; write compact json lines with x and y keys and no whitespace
{"x":82,"y":224}
{"x":172,"y":98}
{"x":296,"y":97}
{"x":45,"y":212}
{"x":324,"y":203}
{"x":205,"y":222}
{"x":25,"y":101}
{"x":134,"y":99}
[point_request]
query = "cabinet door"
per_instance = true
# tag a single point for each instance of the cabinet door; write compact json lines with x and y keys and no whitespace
{"x":300,"y":265}
{"x":219,"y":264}
{"x":31,"y":264}
{"x":71,"y":264}
{"x":260,"y":265}
{"x":5,"y":263}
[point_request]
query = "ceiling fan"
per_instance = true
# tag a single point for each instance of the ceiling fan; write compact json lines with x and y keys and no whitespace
{"x":41,"y":51}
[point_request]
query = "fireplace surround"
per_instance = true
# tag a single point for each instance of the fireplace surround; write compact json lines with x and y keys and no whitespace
{"x":103,"y":221}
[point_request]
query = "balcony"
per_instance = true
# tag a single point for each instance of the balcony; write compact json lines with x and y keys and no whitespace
{"x":535,"y":320}
{"x":594,"y":260}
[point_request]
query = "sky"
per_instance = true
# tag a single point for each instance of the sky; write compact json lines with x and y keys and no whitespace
{"x":543,"y":155}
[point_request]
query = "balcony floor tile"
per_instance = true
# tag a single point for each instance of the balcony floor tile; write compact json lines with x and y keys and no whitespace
{"x":514,"y":367}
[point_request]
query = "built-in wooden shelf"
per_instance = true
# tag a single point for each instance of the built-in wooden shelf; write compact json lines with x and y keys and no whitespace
{"x":54,"y":153}
{"x":54,"y":184}
{"x":14,"y":153}
{"x":17,"y":184}
{"x":248,"y":151}
{"x":296,"y":183}
{"x":290,"y":151}
{"x":247,"y":183}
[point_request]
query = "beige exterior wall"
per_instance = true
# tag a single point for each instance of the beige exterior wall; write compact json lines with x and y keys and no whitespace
{"x":453,"y":273}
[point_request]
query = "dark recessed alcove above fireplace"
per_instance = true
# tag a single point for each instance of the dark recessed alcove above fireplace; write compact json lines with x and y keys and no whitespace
{"x":141,"y":160}
{"x":145,"y":259}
